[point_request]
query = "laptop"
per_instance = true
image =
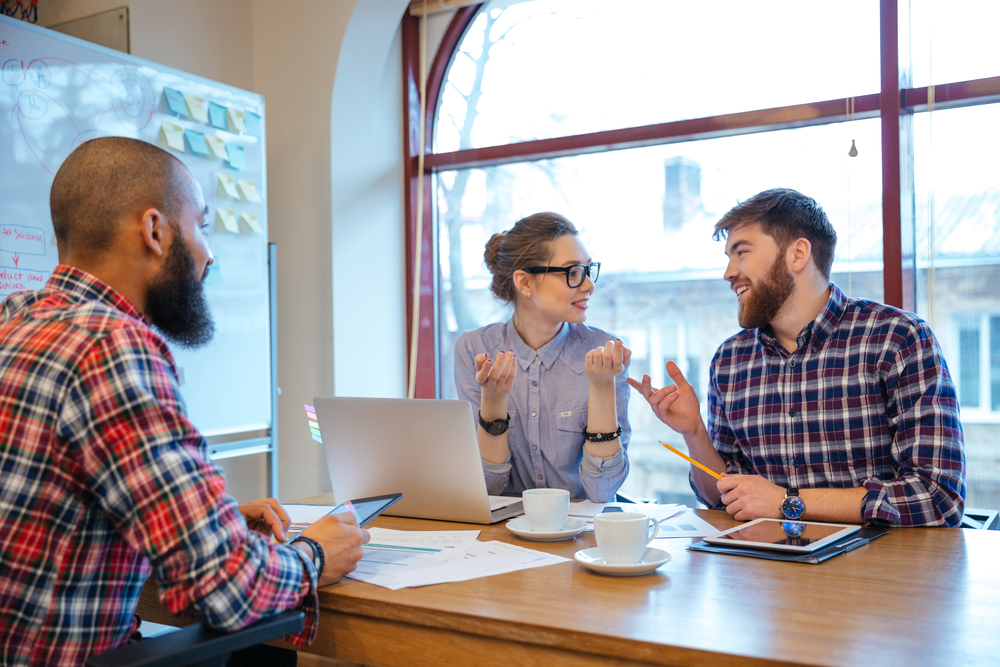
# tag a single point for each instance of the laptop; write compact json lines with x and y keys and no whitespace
{"x":425,"y":449}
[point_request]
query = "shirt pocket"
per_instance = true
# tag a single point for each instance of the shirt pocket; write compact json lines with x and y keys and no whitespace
{"x":567,"y":446}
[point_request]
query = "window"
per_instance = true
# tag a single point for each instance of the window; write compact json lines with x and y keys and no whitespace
{"x":639,"y":129}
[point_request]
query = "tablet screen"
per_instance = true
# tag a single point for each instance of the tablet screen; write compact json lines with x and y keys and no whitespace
{"x":789,"y":533}
{"x":366,"y":509}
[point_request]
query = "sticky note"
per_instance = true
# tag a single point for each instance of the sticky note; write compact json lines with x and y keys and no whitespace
{"x":175,"y":100}
{"x":217,"y":116}
{"x":214,"y":273}
{"x":217,"y":145}
{"x":236,"y":159}
{"x":174,"y":134}
{"x":308,"y":407}
{"x":197,"y":107}
{"x":313,"y":424}
{"x":252,"y":221}
{"x":227,"y":219}
{"x":249,"y":190}
{"x":227,"y":186}
{"x":317,"y":438}
{"x":312,"y":415}
{"x":253,"y":123}
{"x":196,"y":140}
{"x":236,"y":120}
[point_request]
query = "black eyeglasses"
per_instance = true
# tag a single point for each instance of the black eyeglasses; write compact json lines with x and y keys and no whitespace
{"x":575,"y":274}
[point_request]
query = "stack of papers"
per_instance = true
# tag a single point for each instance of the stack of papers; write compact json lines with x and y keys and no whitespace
{"x":397,"y":559}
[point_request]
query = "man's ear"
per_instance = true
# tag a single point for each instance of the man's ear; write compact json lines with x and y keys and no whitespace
{"x":798,"y":254}
{"x":154,"y":231}
{"x":522,"y":282}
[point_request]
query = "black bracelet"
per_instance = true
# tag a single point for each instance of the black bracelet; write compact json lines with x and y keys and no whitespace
{"x":318,"y":554}
{"x":601,"y":437}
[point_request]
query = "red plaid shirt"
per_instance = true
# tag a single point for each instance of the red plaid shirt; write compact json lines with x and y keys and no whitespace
{"x":103,"y":480}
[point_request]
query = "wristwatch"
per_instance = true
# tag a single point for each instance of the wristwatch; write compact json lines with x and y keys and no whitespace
{"x":498,"y":427}
{"x":792,"y":506}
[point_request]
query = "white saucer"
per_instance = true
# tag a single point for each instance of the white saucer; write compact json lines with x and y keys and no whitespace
{"x":571,"y":528}
{"x":651,"y":559}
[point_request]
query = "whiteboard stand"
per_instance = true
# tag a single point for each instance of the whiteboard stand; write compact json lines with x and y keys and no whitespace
{"x":259,"y":442}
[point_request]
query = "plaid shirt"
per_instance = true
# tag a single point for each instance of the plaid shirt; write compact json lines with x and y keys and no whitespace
{"x":103,"y":480}
{"x":865,"y":400}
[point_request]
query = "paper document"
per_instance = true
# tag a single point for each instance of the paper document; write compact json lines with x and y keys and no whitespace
{"x":587,"y":510}
{"x":686,"y":524}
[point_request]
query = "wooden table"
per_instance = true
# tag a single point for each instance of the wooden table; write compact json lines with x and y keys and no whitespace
{"x":912,"y":597}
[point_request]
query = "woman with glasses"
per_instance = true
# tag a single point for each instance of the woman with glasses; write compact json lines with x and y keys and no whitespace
{"x":549,"y":391}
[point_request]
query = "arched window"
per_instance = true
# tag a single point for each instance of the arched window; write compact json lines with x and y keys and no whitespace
{"x":643,"y":122}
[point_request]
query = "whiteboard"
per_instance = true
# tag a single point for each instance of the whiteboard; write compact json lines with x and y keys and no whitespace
{"x":56,"y":92}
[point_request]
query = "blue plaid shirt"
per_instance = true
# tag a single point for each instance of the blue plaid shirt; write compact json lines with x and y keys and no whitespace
{"x":865,"y":400}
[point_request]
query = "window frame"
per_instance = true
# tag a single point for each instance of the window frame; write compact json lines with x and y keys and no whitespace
{"x":895,"y":105}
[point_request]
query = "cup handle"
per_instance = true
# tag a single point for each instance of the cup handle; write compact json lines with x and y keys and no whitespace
{"x":656,"y":530}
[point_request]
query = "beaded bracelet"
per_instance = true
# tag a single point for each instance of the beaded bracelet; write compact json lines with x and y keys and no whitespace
{"x":601,"y":437}
{"x":317,"y":553}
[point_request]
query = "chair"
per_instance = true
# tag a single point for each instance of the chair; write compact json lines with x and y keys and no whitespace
{"x":981,"y":519}
{"x":197,"y":645}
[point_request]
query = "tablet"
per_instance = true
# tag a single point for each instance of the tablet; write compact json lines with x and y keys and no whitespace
{"x":366,"y":509}
{"x":782,"y":535}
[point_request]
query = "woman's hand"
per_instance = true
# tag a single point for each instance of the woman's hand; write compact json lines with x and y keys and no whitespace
{"x":604,"y":363}
{"x":496,"y":377}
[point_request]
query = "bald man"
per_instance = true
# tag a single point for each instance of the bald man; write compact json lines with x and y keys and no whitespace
{"x":103,"y":480}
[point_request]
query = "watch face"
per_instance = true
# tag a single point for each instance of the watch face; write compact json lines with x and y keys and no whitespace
{"x":793,"y":528}
{"x":793,"y":507}
{"x":497,"y":428}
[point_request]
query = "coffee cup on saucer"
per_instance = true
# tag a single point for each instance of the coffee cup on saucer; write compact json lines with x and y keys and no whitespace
{"x":622,"y":537}
{"x":545,"y":509}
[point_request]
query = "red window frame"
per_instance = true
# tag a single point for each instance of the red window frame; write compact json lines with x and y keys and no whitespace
{"x":894,"y":105}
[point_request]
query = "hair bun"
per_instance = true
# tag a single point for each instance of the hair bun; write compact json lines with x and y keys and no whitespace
{"x":492,"y":250}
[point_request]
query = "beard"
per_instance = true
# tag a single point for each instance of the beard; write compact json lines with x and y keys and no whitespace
{"x":767,"y":296}
{"x":176,"y":304}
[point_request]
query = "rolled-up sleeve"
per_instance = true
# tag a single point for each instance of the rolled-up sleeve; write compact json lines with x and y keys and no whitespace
{"x":928,"y":451}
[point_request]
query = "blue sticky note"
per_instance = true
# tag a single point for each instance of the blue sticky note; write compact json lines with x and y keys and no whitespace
{"x":197,"y":142}
{"x":236,"y":159}
{"x":175,"y":100}
{"x":252,"y":121}
{"x":217,"y":116}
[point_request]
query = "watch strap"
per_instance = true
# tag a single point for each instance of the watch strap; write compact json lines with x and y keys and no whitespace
{"x":495,"y":427}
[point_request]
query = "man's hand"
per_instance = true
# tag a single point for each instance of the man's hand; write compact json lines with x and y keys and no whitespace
{"x":749,"y":497}
{"x":341,"y":539}
{"x":266,"y":517}
{"x":604,"y":363}
{"x":675,"y":405}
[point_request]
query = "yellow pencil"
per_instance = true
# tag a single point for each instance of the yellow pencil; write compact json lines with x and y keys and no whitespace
{"x":693,"y":462}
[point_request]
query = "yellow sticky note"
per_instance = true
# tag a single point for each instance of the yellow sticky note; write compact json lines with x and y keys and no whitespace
{"x":199,"y":110}
{"x":218,"y":146}
{"x":227,"y":187}
{"x":227,"y":219}
{"x":237,"y":121}
{"x":249,"y":190}
{"x":174,"y":134}
{"x":252,"y":221}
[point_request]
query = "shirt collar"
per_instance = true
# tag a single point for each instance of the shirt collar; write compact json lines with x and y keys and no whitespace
{"x":86,"y":287}
{"x":817,"y":332}
{"x":548,"y":352}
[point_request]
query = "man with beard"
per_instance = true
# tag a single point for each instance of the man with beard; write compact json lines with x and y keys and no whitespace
{"x":822,"y":408}
{"x":104,"y":480}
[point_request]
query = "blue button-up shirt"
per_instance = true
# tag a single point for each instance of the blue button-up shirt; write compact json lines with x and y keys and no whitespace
{"x":548,"y":408}
{"x":865,"y":400}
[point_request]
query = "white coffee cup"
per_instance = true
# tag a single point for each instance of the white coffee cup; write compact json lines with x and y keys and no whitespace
{"x":545,"y":509}
{"x":622,"y":537}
